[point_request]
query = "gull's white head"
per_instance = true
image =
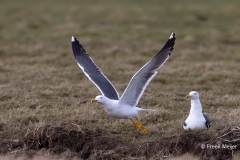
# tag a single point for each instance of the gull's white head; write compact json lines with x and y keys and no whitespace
{"x":193,"y":95}
{"x":100,"y":99}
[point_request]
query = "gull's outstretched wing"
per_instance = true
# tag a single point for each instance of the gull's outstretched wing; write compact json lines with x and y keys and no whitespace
{"x":92,"y":71}
{"x":140,"y":80}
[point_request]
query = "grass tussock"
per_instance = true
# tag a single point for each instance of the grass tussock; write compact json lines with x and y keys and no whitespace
{"x":69,"y":141}
{"x":40,"y":81}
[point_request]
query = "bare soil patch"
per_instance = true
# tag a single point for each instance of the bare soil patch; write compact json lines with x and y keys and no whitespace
{"x":69,"y":141}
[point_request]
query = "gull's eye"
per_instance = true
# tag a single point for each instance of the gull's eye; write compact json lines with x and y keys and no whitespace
{"x":194,"y":93}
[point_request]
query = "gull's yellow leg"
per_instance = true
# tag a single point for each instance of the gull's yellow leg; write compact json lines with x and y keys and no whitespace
{"x":144,"y":129}
{"x":136,"y":124}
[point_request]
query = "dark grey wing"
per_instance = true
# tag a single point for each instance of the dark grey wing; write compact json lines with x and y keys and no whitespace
{"x":92,"y":71}
{"x":207,"y":123}
{"x":141,"y":79}
{"x":185,"y":124}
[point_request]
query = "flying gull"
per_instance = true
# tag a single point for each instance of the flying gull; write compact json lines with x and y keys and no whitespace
{"x":124,"y":107}
{"x":196,"y":119}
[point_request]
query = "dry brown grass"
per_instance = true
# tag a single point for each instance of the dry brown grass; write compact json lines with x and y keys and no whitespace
{"x":69,"y":141}
{"x":185,"y":157}
{"x":41,"y":83}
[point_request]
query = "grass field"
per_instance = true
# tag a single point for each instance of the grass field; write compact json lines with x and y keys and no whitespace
{"x":40,"y":81}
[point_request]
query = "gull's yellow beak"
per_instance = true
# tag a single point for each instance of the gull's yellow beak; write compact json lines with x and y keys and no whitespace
{"x":188,"y":96}
{"x":94,"y":100}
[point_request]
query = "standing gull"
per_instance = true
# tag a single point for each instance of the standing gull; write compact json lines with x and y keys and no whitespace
{"x":196,"y":119}
{"x":124,"y":107}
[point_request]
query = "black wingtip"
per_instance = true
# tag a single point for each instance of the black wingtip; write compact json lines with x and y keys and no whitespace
{"x":77,"y":48}
{"x":172,"y":35}
{"x":75,"y":42}
{"x":171,"y":42}
{"x":73,"y":39}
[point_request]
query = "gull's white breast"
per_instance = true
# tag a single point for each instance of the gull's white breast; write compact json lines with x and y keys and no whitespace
{"x":117,"y":110}
{"x":195,"y":121}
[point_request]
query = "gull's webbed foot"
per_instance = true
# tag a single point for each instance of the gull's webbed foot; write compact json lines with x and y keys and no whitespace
{"x":144,"y":129}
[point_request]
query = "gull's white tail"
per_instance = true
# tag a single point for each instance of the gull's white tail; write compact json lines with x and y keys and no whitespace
{"x":144,"y":110}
